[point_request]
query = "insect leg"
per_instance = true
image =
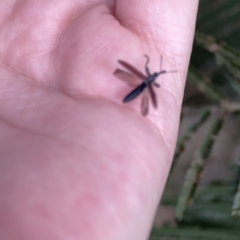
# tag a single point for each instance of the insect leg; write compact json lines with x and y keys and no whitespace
{"x":144,"y":104}
{"x":156,"y":84}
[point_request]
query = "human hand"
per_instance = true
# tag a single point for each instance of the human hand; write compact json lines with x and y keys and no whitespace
{"x":75,"y":162}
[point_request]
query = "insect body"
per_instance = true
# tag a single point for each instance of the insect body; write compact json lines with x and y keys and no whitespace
{"x":146,"y":83}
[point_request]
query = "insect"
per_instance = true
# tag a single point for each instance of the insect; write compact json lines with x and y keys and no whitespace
{"x":143,"y":82}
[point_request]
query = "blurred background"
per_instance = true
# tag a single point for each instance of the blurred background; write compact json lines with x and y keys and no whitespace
{"x":202,"y":195}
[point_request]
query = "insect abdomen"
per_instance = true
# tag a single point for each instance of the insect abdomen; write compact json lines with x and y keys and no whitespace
{"x":135,"y":92}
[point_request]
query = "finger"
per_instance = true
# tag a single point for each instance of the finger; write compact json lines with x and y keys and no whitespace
{"x":137,"y":15}
{"x":166,"y":24}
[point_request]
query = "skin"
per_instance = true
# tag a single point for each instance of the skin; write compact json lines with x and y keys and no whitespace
{"x":75,"y":162}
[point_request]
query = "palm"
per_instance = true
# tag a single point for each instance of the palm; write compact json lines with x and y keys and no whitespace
{"x":71,"y":142}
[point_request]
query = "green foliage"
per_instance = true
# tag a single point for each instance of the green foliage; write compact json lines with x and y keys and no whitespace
{"x":224,"y":54}
{"x":207,"y":144}
{"x":193,"y":175}
{"x":203,"y":85}
{"x":208,"y":218}
{"x":236,"y":202}
{"x":220,"y":18}
{"x":215,"y":72}
{"x":191,"y":234}
{"x":236,"y":177}
{"x":204,"y":115}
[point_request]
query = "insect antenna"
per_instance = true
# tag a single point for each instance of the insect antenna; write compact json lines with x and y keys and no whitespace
{"x":147,"y":57}
{"x":172,"y":71}
{"x":164,"y":71}
{"x":146,"y":65}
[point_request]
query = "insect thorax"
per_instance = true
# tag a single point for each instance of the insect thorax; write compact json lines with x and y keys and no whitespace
{"x":151,"y":78}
